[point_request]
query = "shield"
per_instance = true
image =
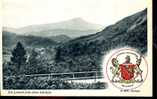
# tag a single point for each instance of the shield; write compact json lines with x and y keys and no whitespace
{"x":127,"y":71}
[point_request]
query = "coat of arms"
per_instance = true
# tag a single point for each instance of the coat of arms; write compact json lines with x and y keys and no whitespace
{"x":127,"y":71}
{"x":126,"y":68}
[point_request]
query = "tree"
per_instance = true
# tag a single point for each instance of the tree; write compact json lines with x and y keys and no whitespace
{"x":38,"y":63}
{"x":18,"y":56}
{"x":32,"y":63}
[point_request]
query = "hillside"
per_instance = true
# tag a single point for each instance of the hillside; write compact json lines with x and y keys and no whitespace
{"x":60,"y":38}
{"x":85,"y":53}
{"x":10,"y":39}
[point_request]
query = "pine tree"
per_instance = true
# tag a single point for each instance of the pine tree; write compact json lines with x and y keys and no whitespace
{"x":18,"y":56}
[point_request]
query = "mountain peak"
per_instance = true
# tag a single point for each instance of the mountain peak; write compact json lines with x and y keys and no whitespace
{"x":78,"y":19}
{"x":73,"y":28}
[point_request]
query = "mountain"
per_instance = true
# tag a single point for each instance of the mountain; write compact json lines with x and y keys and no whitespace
{"x":9,"y":29}
{"x":10,"y":39}
{"x":85,"y":53}
{"x":73,"y":28}
{"x":60,"y":38}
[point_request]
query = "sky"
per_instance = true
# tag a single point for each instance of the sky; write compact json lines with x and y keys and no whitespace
{"x":20,"y":13}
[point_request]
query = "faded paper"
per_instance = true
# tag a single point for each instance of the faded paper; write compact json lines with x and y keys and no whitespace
{"x":76,"y":48}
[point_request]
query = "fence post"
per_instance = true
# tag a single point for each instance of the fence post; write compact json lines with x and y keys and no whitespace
{"x":73,"y":75}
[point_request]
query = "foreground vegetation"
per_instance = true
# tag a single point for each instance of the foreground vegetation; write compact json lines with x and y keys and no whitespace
{"x":39,"y":83}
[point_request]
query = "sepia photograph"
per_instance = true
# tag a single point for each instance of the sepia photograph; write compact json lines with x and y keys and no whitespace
{"x":68,"y":45}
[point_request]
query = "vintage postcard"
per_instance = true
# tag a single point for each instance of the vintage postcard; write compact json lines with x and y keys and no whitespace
{"x":76,"y":48}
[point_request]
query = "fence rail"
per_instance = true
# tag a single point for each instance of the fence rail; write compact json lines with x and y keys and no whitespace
{"x":68,"y":76}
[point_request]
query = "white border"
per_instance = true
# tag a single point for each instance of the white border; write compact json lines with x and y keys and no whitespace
{"x":145,"y":89}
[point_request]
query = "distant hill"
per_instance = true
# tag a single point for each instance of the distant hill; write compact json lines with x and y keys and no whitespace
{"x":85,"y":53}
{"x":10,"y":39}
{"x":73,"y":28}
{"x":60,"y":38}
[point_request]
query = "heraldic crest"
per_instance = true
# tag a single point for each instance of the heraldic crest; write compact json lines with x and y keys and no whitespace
{"x":126,"y":72}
